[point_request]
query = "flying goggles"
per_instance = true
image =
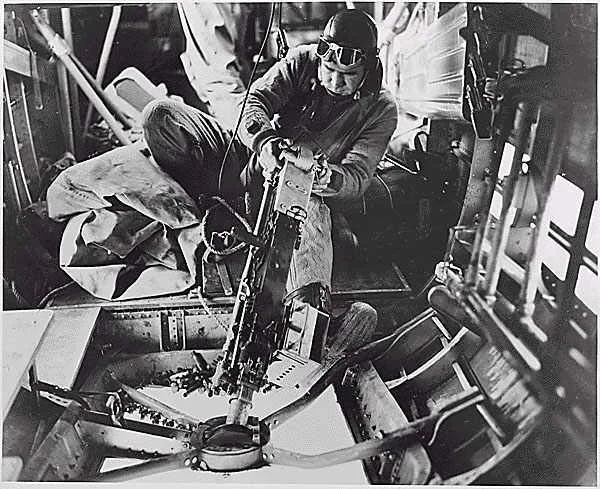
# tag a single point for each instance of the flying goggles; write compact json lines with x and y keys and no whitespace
{"x":347,"y":57}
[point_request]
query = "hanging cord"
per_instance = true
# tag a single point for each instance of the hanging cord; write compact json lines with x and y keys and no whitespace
{"x":209,"y":248}
{"x":252,"y":75}
{"x":389,"y":192}
{"x":50,"y":295}
{"x":12,"y":286}
{"x":281,"y":38}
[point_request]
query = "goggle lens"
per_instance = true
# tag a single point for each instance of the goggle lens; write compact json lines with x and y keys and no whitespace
{"x":345,"y":56}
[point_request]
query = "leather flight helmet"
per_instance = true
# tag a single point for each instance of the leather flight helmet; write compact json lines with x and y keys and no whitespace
{"x":352,"y":28}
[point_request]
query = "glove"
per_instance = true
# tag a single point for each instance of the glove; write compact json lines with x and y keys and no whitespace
{"x":276,"y":150}
{"x":322,"y":175}
{"x":269,"y":156}
{"x":300,"y":156}
{"x":306,"y":160}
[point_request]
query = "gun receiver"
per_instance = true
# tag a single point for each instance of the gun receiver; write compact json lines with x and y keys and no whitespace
{"x":258,"y":324}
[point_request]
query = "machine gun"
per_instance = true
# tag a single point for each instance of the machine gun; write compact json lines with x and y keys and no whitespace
{"x":258,"y":325}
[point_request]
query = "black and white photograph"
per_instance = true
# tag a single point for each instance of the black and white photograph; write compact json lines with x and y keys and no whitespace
{"x":300,"y":244}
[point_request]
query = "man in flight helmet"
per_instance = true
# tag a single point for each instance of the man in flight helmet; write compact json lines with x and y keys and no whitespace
{"x":323,"y":104}
{"x":350,"y":39}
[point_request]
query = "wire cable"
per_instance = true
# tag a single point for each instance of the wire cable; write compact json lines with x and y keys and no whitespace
{"x":50,"y":295}
{"x":250,"y":81}
{"x":389,"y":192}
{"x":279,"y":19}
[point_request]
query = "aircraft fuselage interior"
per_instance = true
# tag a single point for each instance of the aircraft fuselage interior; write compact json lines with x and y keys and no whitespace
{"x":150,"y":335}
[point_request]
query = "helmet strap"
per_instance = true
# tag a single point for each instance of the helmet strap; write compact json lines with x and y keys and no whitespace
{"x":368,"y":68}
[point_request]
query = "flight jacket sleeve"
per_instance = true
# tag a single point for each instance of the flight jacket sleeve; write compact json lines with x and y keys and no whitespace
{"x":269,"y":94}
{"x":353,"y":170}
{"x":352,"y":175}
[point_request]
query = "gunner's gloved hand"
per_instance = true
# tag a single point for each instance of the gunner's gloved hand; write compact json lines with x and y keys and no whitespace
{"x":322,"y":175}
{"x":270,"y":156}
{"x":300,"y":156}
{"x":277,"y":150}
{"x":304,"y":158}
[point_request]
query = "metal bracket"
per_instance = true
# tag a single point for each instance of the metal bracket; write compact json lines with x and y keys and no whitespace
{"x":293,"y":191}
{"x":172,"y":330}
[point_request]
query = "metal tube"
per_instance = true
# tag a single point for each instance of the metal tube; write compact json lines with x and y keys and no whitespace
{"x":490,"y":174}
{"x":62,"y":51}
{"x":98,"y":103}
{"x":400,"y":437}
{"x":13,"y":180}
{"x":378,"y":12}
{"x":555,"y":116}
{"x":25,"y":186}
{"x":500,"y":238}
{"x":472,"y":273}
{"x":29,"y":134}
{"x":73,"y":92}
{"x":65,"y":14}
{"x":155,"y":405}
{"x":101,"y":95}
{"x":63,"y":88}
{"x":108,"y":42}
{"x":104,"y":55}
{"x":15,"y":140}
{"x":239,"y":406}
{"x":157,"y":466}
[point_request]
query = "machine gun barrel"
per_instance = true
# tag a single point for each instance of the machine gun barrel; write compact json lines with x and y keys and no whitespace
{"x":258,"y":326}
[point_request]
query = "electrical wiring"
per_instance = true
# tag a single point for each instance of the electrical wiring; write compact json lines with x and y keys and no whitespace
{"x":250,"y":81}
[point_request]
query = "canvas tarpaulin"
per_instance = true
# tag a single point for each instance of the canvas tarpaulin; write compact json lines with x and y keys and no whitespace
{"x":132,"y":231}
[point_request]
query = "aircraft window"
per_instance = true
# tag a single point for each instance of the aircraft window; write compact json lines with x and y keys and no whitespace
{"x":564,"y":204}
{"x":592,"y":241}
{"x":587,"y":287}
{"x":541,"y":8}
{"x":580,"y":415}
{"x":506,"y":162}
{"x":555,"y":257}
{"x":496,"y":205}
{"x":578,"y":329}
{"x":505,"y":165}
{"x":579,"y":357}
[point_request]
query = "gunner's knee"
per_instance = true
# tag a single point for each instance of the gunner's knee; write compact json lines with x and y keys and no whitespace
{"x":157,"y":112}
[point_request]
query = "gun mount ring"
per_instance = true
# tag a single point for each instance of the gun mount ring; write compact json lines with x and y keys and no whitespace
{"x":231,"y":447}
